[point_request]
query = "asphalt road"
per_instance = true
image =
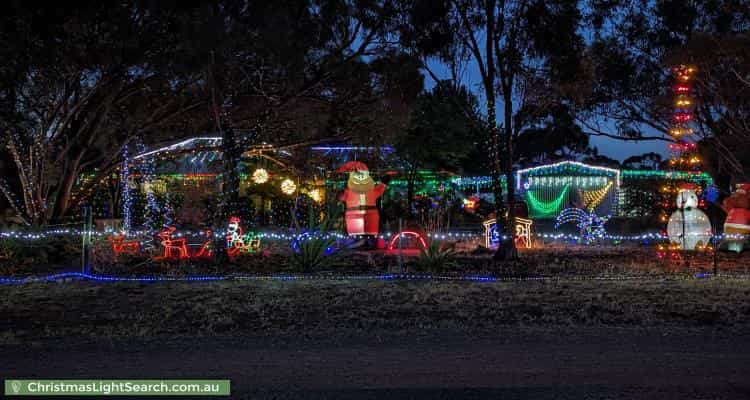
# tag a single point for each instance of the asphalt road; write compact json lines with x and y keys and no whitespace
{"x":593,"y":364}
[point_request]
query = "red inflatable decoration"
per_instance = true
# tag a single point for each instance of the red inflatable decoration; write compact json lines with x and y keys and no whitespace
{"x":737,"y":207}
{"x":360,"y":195}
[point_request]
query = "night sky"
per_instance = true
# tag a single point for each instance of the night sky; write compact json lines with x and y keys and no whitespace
{"x":613,"y":148}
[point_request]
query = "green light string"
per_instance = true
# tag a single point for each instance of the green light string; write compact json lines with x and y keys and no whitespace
{"x":669,"y":175}
{"x":546,"y":208}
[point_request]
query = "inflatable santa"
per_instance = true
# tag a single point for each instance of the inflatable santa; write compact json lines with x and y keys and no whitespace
{"x":737,"y":224}
{"x":360,"y":196}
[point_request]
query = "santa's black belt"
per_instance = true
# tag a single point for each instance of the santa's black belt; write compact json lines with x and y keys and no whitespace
{"x":362,"y":208}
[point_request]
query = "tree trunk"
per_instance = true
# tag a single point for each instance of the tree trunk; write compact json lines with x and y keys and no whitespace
{"x":507,"y":250}
{"x":63,"y":198}
{"x":489,"y":90}
{"x":497,"y":187}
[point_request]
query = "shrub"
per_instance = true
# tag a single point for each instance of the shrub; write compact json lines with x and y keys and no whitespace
{"x":315,"y":252}
{"x":63,"y":248}
{"x":437,"y":257}
{"x":9,"y":251}
{"x":316,"y":248}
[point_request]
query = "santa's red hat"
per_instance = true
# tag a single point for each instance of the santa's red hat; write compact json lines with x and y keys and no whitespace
{"x":353,"y":166}
{"x":235,"y":220}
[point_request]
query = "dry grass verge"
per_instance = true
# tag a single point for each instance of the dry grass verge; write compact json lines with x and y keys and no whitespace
{"x":131,"y":310}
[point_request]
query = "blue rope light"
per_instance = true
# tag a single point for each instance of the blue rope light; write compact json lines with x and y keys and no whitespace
{"x":375,"y":277}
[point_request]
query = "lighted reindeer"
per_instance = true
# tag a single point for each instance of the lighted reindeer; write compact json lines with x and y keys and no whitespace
{"x":173,"y":248}
{"x":120,"y":246}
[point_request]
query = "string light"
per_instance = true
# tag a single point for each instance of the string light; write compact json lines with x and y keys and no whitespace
{"x":589,"y":224}
{"x":573,"y":167}
{"x":127,"y":200}
{"x":688,"y":228}
{"x":277,"y":236}
{"x":594,"y":197}
{"x":546,"y":208}
{"x":152,"y":206}
{"x":212,"y":140}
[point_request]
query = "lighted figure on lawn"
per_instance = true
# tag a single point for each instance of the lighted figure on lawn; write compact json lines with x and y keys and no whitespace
{"x":689,"y":227}
{"x":237,"y":242}
{"x":120,"y":246}
{"x":206,"y":250}
{"x":173,"y":248}
{"x":590,"y":225}
{"x":737,"y":224}
{"x":414,"y":239}
{"x":360,"y":196}
{"x":177,"y":249}
{"x":522,"y":237}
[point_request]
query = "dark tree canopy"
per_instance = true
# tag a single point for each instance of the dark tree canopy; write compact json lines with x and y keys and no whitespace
{"x":634,"y":47}
{"x":88,"y":79}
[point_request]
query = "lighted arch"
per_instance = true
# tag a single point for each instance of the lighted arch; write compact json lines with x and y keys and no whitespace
{"x":417,"y":235}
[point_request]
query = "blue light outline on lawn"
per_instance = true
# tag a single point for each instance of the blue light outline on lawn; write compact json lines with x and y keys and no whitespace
{"x":377,"y":277}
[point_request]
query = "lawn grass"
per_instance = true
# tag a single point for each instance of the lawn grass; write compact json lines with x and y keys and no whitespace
{"x":322,"y":308}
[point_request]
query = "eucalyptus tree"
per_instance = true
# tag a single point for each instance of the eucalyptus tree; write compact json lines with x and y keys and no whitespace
{"x":83,"y":80}
{"x":527,"y":55}
{"x":79,"y":81}
{"x":301,"y":71}
{"x":444,"y":132}
{"x":634,"y":45}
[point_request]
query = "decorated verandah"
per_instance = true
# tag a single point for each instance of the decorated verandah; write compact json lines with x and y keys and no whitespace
{"x":190,"y":168}
{"x":180,"y":184}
